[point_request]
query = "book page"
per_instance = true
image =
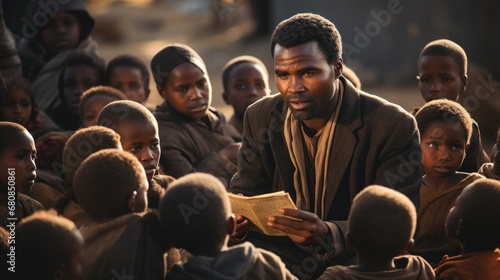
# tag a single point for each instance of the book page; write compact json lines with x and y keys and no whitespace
{"x":259,"y":208}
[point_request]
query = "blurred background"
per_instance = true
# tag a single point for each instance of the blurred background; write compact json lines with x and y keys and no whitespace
{"x":381,"y":39}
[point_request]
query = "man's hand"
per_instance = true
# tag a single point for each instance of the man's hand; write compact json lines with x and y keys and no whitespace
{"x":305,"y":231}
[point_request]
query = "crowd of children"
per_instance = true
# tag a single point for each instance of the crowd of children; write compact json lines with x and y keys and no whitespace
{"x":141,"y":192}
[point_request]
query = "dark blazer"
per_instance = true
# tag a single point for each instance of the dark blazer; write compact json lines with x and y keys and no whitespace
{"x":375,"y":142}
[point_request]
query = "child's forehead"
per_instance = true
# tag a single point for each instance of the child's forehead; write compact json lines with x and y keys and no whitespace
{"x":438,"y":61}
{"x":21,"y":140}
{"x":247,"y":66}
{"x":443,"y":129}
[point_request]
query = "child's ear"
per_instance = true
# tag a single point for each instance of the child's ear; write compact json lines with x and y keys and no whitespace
{"x":417,"y":79}
{"x":160,"y":91}
{"x":231,"y":225}
{"x":465,"y":80}
{"x":460,"y":229}
{"x":131,"y":202}
{"x":224,"y":96}
{"x":407,"y":249}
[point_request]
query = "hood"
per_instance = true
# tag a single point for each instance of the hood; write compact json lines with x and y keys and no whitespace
{"x":234,"y":263}
{"x":37,"y":12}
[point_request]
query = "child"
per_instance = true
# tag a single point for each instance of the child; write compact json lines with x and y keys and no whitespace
{"x":245,"y":80}
{"x":138,"y":131}
{"x":381,"y":225}
{"x":81,"y":145}
{"x":491,"y":170}
{"x":93,"y":100}
{"x":18,"y":105}
{"x":130,"y":75}
{"x":48,"y":247}
{"x":59,"y":29}
{"x":193,"y":135}
{"x":442,"y":73}
{"x":111,"y":186}
{"x":474,"y":222}
{"x":197,"y":213}
{"x":445,"y":131}
{"x":17,"y":172}
{"x":80,"y":72}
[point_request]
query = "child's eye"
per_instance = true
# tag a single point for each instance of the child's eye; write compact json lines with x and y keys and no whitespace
{"x":34,"y":156}
{"x":134,"y":149}
{"x":260,"y":86}
{"x":446,"y":79}
{"x":456,"y":147}
{"x":432,"y":145}
{"x":21,"y":155}
{"x":203,"y":83}
{"x":183,"y":90}
{"x":424,"y":80}
{"x":155,"y":145}
{"x":241,"y":86}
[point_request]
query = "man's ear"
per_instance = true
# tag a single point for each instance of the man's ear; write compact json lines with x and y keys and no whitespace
{"x":231,"y":225}
{"x":465,"y":80}
{"x":131,"y":202}
{"x":225,"y":98}
{"x":59,"y":273}
{"x":338,"y":66}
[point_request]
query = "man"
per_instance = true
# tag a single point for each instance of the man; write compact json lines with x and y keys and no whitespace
{"x":323,"y":141}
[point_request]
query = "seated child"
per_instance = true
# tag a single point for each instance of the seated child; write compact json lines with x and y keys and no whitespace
{"x":381,"y":225}
{"x":474,"y":222}
{"x":93,"y":100}
{"x":18,"y":105}
{"x":197,"y":213}
{"x":81,"y":145}
{"x":17,"y":172}
{"x":245,"y":80}
{"x":138,"y":131}
{"x":491,"y":170}
{"x":111,"y":186}
{"x":349,"y":74}
{"x":130,"y":75}
{"x":442,"y":73}
{"x":194,"y":136}
{"x":80,"y":72}
{"x":48,"y":247}
{"x":46,"y":46}
{"x":445,"y":131}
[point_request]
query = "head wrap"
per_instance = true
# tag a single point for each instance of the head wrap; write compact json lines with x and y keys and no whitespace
{"x":172,"y":56}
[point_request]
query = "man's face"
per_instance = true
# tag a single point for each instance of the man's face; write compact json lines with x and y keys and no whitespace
{"x":305,"y":79}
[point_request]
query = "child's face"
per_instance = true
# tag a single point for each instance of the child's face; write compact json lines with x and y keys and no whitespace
{"x":439,"y":77}
{"x":142,"y":140}
{"x":16,"y":107}
{"x":188,"y":90}
{"x":92,"y":108}
{"x":62,"y":33}
{"x":246,"y":84}
{"x":443,"y":148}
{"x":130,"y":81}
{"x":20,"y":156}
{"x":78,"y":79}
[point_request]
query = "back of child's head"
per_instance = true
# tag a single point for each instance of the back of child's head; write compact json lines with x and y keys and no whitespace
{"x":349,"y":74}
{"x":108,"y":184}
{"x":476,"y":214}
{"x":17,"y":91}
{"x":85,"y":142}
{"x":447,"y":111}
{"x":7,"y":130}
{"x":118,"y":112}
{"x":48,"y":245}
{"x":132,"y":62}
{"x":172,"y":56}
{"x":231,"y":64}
{"x":195,"y":212}
{"x":381,"y":223}
{"x":111,"y":93}
{"x":447,"y":48}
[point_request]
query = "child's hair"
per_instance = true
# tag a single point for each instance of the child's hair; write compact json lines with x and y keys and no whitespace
{"x":480,"y":212}
{"x":172,"y":56}
{"x":304,"y":28}
{"x":382,"y":221}
{"x":446,"y":111}
{"x":133,"y":62}
{"x":100,"y":90}
{"x":349,"y":74}
{"x":85,"y":142}
{"x":78,"y":58}
{"x":6,"y":130}
{"x":195,"y":210}
{"x":117,"y":112}
{"x":45,"y":241}
{"x":22,"y":84}
{"x":231,"y":64}
{"x":106,"y":180}
{"x":448,"y":48}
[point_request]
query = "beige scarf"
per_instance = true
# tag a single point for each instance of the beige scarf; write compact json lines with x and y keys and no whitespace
{"x":321,"y":157}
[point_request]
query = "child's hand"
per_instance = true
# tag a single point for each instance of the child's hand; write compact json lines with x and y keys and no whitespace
{"x":241,"y":225}
{"x":230,"y":152}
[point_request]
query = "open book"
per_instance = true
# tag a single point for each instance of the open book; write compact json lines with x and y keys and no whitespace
{"x":260,"y":207}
